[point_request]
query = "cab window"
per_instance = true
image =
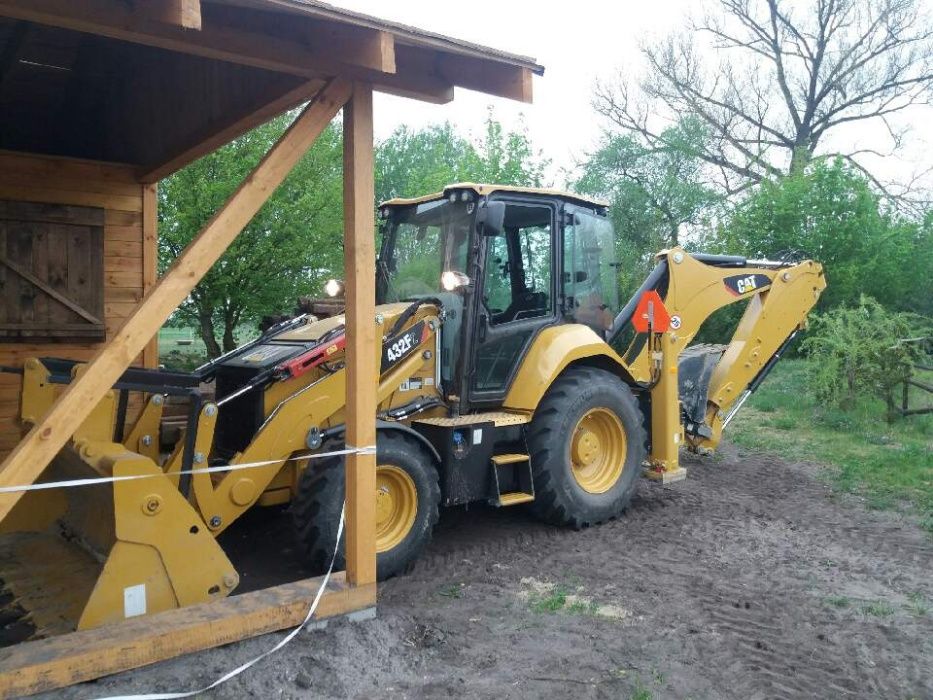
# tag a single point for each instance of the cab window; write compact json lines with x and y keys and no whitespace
{"x":590,"y":284}
{"x":518,"y":266}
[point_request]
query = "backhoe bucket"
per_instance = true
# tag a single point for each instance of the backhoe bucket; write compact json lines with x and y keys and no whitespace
{"x":82,"y":556}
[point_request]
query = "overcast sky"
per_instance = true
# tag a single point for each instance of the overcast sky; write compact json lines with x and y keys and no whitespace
{"x":577,"y":43}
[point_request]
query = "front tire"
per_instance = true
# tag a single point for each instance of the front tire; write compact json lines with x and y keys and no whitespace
{"x":407,"y":501}
{"x":587,"y":444}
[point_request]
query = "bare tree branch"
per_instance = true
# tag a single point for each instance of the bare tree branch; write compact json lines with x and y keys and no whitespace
{"x":789,"y":74}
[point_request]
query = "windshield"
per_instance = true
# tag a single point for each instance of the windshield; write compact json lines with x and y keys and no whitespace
{"x":422,"y":241}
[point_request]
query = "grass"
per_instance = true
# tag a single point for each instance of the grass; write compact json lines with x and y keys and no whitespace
{"x":559,"y":598}
{"x":917,"y":604}
{"x":451,"y":590}
{"x":552,"y":602}
{"x":838,"y":601}
{"x":641,"y":693}
{"x":182,"y":348}
{"x":889,"y":465}
{"x":878,"y":609}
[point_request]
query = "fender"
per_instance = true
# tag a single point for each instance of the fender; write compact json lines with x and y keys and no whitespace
{"x":552,"y":351}
{"x":411,"y":432}
{"x":392,"y":425}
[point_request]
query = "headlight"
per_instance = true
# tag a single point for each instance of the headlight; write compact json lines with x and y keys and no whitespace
{"x":451,"y":280}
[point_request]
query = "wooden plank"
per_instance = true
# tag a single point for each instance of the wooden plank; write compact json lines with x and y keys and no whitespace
{"x":121,"y":265}
{"x":124,"y":249}
{"x":92,"y":173}
{"x":51,"y":195}
{"x":57,"y":276}
{"x":130,"y":279}
{"x":183,"y":13}
{"x":75,"y":249}
{"x":119,"y":20}
{"x":47,"y":664}
{"x":6,"y":289}
{"x":127,"y":234}
{"x":353,"y":46}
{"x":51,"y":213}
{"x":44,"y":441}
{"x":59,"y":181}
{"x":150,"y":261}
{"x":19,"y":252}
{"x":360,"y":267}
{"x":116,"y":217}
{"x":129,"y":293}
{"x":40,"y":267}
{"x":487,"y":76}
{"x":221,"y":133}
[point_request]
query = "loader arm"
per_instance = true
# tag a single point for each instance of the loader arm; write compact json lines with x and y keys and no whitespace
{"x":778,"y":295}
{"x":285,"y":430}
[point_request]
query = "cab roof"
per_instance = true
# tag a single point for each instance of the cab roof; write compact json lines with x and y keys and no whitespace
{"x":486,"y":189}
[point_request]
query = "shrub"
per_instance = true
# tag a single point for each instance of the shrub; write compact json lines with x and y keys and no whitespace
{"x":860,"y":352}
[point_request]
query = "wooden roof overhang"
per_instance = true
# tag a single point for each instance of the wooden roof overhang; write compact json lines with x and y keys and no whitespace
{"x":159,"y":83}
{"x":156,"y":84}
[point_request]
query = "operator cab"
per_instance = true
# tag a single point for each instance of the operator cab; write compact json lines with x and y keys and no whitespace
{"x":505,"y":262}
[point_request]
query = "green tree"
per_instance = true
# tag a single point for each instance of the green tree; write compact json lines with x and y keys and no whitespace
{"x":292,"y":244}
{"x":415,"y":162}
{"x":861,"y":351}
{"x":657,"y":193}
{"x":507,"y":157}
{"x":829,"y":212}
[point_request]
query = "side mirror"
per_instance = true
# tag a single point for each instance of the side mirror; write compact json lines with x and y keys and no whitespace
{"x":492,"y":217}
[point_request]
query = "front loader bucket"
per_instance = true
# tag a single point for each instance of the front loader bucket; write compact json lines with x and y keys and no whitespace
{"x":82,"y":556}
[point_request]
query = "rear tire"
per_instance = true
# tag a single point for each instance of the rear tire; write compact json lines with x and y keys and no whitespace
{"x":408,"y":496}
{"x":587,"y":444}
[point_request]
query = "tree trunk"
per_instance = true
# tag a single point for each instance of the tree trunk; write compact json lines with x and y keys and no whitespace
{"x":206,"y":323}
{"x":229,"y":340}
{"x":231,"y":320}
{"x":801,"y":155}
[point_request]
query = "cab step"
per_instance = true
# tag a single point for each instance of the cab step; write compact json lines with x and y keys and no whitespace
{"x":514,"y":498}
{"x":513,"y":471}
{"x":500,"y":460}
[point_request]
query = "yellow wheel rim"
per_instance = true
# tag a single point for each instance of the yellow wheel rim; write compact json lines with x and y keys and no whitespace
{"x":597,"y":450}
{"x":396,"y":506}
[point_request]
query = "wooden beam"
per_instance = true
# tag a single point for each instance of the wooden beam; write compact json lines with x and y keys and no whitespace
{"x":150,"y":260}
{"x":42,"y":443}
{"x":359,"y":221}
{"x":117,"y":20}
{"x":47,"y":664}
{"x":181,"y":13}
{"x":219,"y":133}
{"x":483,"y":74}
{"x":50,"y":290}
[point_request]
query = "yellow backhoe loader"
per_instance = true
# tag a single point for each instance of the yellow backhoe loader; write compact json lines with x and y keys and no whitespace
{"x":508,"y":374}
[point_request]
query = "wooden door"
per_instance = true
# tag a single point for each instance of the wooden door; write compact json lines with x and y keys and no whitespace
{"x":51,"y":272}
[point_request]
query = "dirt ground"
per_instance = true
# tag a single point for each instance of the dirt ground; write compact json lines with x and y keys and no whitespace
{"x":749,"y":580}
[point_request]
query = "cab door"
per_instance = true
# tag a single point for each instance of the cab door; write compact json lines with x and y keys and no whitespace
{"x":515,"y":296}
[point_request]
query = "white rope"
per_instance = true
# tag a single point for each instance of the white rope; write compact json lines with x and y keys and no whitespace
{"x":242,"y":667}
{"x":91,"y":481}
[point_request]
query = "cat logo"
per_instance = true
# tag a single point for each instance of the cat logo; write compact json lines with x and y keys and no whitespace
{"x":744,"y":284}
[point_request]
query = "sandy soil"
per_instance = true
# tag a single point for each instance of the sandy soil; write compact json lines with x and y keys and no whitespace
{"x":749,"y":580}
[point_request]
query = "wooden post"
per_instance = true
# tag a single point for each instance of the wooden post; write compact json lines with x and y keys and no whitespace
{"x":360,"y":269}
{"x":42,"y":443}
{"x":150,"y":260}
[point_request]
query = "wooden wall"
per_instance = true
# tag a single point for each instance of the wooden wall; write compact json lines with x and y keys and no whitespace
{"x":129,"y":253}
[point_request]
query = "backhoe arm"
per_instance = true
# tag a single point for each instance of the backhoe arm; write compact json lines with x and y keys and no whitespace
{"x":779,"y":296}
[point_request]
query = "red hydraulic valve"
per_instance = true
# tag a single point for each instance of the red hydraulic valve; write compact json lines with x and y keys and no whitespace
{"x":297,"y":366}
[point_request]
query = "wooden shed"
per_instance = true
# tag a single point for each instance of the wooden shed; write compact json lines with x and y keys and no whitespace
{"x":100,"y":99}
